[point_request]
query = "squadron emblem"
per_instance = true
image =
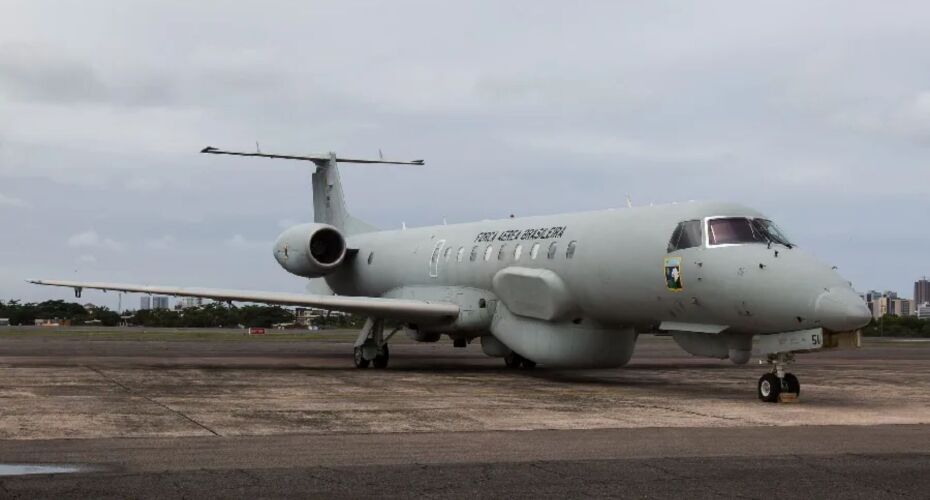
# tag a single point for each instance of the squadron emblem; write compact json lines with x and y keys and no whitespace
{"x":673,"y":273}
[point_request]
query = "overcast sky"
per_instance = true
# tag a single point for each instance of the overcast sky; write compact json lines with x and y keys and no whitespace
{"x":816,"y":113}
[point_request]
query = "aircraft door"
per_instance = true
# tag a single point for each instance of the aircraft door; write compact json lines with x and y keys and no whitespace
{"x":434,"y":259}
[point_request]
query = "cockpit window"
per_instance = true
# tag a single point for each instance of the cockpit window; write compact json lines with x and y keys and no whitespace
{"x":772,"y":232}
{"x":686,"y":235}
{"x":733,"y":231}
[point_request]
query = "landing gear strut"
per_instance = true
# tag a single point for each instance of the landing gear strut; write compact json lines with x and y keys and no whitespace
{"x":777,"y":382}
{"x":514,"y":360}
{"x":371,"y":345}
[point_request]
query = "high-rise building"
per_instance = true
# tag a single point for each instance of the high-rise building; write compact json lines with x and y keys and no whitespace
{"x":159,"y":302}
{"x":145,"y":303}
{"x":922,"y":290}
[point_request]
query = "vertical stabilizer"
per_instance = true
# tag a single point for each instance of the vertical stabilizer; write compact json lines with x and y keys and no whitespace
{"x":329,"y":206}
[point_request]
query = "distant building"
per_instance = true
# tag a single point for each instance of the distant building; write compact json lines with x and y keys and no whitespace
{"x":189,"y":302}
{"x":902,"y":307}
{"x":923,"y":311}
{"x":89,"y":307}
{"x":889,"y":303}
{"x":52,"y":322}
{"x":160,"y":302}
{"x":145,"y":303}
{"x":922,"y":291}
{"x":4,"y":321}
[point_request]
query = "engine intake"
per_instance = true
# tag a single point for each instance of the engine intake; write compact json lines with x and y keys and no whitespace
{"x":310,"y":250}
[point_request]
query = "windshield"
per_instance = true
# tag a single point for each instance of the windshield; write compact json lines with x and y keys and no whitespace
{"x":740,"y":230}
{"x":733,"y":231}
{"x":770,"y":230}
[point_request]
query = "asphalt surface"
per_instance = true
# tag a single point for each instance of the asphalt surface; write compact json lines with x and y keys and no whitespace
{"x":233,"y":418}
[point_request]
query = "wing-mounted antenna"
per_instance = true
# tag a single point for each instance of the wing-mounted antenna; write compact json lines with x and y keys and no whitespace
{"x":328,"y":202}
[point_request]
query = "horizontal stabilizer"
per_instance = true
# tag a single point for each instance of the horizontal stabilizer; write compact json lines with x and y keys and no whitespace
{"x":403,"y":309}
{"x":316,"y":158}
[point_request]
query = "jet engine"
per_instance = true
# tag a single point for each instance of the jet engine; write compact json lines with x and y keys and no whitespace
{"x":310,"y":250}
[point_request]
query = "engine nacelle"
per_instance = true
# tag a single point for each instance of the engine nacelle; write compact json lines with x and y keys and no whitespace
{"x":310,"y":250}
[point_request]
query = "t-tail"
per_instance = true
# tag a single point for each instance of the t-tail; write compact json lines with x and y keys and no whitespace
{"x":329,"y":206}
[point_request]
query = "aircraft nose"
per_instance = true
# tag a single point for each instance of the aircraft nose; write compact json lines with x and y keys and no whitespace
{"x":840,"y":309}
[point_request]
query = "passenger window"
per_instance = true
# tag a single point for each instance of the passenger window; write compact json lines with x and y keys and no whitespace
{"x":460,"y":255}
{"x":686,"y":235}
{"x":500,"y":253}
{"x":733,"y":230}
{"x":553,"y":247}
{"x":474,"y":253}
{"x":487,"y":252}
{"x":517,"y":252}
{"x":448,"y":252}
{"x":534,"y":250}
{"x":570,"y":251}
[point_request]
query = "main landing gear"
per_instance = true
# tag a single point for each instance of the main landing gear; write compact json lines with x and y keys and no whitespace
{"x":514,"y":360}
{"x":778,"y":384}
{"x":371,"y":345}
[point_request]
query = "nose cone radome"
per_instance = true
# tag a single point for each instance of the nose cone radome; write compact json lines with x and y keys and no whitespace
{"x":841,"y":309}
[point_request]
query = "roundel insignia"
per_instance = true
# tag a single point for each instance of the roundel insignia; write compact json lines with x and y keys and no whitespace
{"x":673,"y":273}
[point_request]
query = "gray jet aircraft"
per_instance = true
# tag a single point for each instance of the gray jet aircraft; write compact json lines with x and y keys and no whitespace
{"x":567,"y":290}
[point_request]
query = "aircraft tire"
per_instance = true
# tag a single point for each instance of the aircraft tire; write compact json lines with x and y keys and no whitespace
{"x":791,"y":384}
{"x":381,"y":360}
{"x":359,"y":358}
{"x":769,"y":387}
{"x":513,"y":360}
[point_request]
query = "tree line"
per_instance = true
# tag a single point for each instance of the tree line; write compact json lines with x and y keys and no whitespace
{"x":898,"y":326}
{"x":219,"y":314}
{"x":215,"y":314}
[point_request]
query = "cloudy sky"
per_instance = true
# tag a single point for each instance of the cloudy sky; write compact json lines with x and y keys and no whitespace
{"x":817,"y":113}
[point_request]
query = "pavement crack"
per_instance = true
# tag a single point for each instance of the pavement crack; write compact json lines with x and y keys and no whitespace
{"x":134,"y":392}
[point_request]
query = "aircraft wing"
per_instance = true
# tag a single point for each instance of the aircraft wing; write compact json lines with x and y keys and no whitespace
{"x":378,"y":307}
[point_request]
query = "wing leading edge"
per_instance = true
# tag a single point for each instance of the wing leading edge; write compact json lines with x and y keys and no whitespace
{"x":371,"y":306}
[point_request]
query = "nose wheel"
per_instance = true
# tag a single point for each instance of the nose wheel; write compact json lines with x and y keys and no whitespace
{"x":777,"y":384}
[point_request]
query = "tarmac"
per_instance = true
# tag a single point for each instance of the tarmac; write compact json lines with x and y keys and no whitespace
{"x":288,"y":416}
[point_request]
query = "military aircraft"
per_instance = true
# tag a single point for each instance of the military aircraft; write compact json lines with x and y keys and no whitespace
{"x":567,"y":290}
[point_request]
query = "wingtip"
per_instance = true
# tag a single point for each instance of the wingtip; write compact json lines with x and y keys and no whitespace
{"x":208,"y":149}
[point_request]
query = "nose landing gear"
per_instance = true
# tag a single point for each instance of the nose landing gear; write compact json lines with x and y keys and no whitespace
{"x":777,"y":385}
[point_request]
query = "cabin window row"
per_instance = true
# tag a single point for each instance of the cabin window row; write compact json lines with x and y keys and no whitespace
{"x":553,"y":249}
{"x":504,"y":251}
